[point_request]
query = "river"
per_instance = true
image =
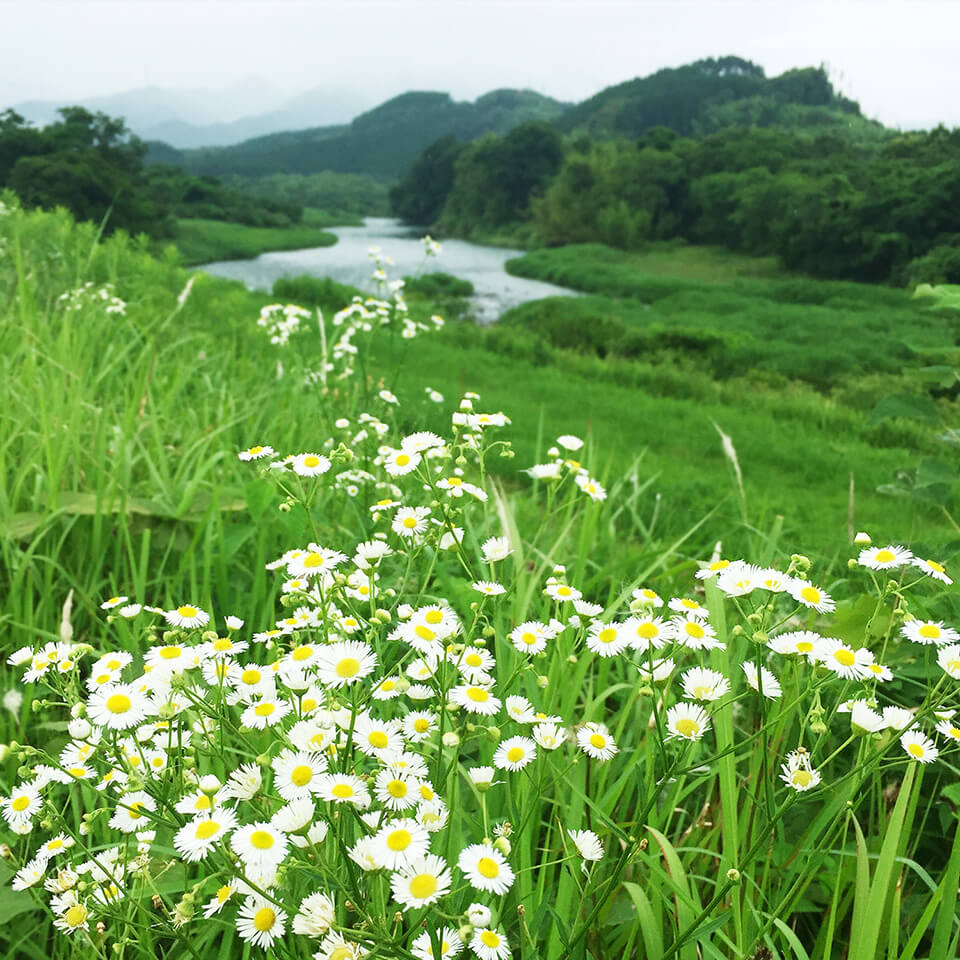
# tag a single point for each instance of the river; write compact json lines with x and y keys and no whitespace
{"x":347,"y":262}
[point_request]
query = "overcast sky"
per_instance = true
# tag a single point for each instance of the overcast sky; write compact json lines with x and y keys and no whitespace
{"x":899,"y":58}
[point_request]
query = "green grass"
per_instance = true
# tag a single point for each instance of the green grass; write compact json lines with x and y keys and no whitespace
{"x":118,"y":442}
{"x":205,"y":241}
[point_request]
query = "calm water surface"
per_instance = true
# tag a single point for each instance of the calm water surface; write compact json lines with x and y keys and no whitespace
{"x":347,"y":262}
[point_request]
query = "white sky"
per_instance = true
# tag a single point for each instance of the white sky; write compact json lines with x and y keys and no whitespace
{"x":899,"y":58}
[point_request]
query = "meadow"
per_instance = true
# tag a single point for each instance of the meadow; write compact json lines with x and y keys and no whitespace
{"x":537,"y":707}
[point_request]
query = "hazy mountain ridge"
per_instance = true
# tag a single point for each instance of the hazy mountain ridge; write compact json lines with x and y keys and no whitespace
{"x":198,"y":118}
{"x":381,"y":142}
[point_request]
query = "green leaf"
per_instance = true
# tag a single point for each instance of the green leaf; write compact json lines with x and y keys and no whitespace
{"x":259,"y":493}
{"x":932,"y":471}
{"x":912,"y":406}
{"x":649,"y":927}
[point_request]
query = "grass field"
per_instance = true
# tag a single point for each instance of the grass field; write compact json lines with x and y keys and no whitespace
{"x":121,"y":424}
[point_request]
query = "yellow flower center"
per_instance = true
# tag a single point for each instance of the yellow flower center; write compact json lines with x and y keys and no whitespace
{"x":301,"y":775}
{"x":528,"y":638}
{"x":426,"y":792}
{"x":455,"y":481}
{"x":313,"y":560}
{"x":811,"y":594}
{"x":250,"y":676}
{"x":478,"y":694}
{"x":563,"y":591}
{"x":343,"y":953}
{"x":76,"y":915}
{"x":689,"y":604}
{"x":118,"y":703}
{"x":261,"y":839}
{"x":223,"y":894}
{"x":402,"y":460}
{"x":607,"y":635}
{"x":378,"y":740}
{"x":264,"y":918}
{"x":488,"y":867}
{"x":348,"y":667}
{"x":929,"y":631}
{"x":264,"y":709}
{"x":409,"y":522}
{"x":207,"y":829}
{"x":687,"y":727}
{"x":845,"y":657}
{"x":801,"y":778}
{"x":342,"y":791}
{"x":473,"y":660}
{"x":399,"y":839}
{"x":397,"y":788}
{"x":21,"y":803}
{"x":311,"y":461}
{"x":203,"y":803}
{"x":915,"y":750}
{"x":223,"y":643}
{"x":423,"y":885}
{"x":170,"y":653}
{"x":701,"y":693}
{"x":490,"y":939}
{"x":187,"y":612}
{"x":804,"y":646}
{"x":598,"y":741}
{"x":647,"y":630}
{"x":424,"y":633}
{"x":302,"y":653}
{"x":884,"y":556}
{"x":54,"y":844}
{"x":253,"y":451}
{"x":421,"y":724}
{"x":694,"y":630}
{"x":939,"y":567}
{"x":77,"y":771}
{"x":515,"y":754}
{"x":133,"y":811}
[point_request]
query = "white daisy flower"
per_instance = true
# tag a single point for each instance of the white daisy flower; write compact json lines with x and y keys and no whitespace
{"x":949,"y":660}
{"x":687,"y":721}
{"x":845,"y":662}
{"x":929,"y":631}
{"x":310,"y":464}
{"x":919,"y":747}
{"x":607,"y":639}
{"x":260,"y":922}
{"x":514,"y":753}
{"x":490,"y":944}
{"x":421,"y":883}
{"x":495,"y":549}
{"x":316,"y":915}
{"x":702,"y":684}
{"x":450,"y":945}
{"x":196,"y":838}
{"x":808,"y":595}
{"x":595,"y":741}
{"x":345,"y":662}
{"x":399,"y":843}
{"x":410,"y":521}
{"x":475,"y":698}
{"x":398,"y":463}
{"x":798,"y":773}
{"x":255,"y":453}
{"x":766,"y":683}
{"x":118,"y":706}
{"x":187,"y":616}
{"x":343,"y":788}
{"x":486,"y":868}
{"x":260,"y":845}
{"x":113,"y":602}
{"x":884,"y":558}
{"x":295,"y":773}
{"x":803,"y":642}
{"x":265,"y":713}
{"x":933,"y":569}
{"x":588,"y":845}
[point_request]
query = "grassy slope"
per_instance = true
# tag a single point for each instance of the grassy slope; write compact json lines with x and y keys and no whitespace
{"x":178,"y":393}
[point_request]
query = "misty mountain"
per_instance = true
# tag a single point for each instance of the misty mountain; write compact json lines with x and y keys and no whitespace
{"x":381,"y":142}
{"x":199,"y":118}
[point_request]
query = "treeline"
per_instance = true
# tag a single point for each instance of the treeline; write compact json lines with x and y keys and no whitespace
{"x":91,"y":164}
{"x":353,"y":193}
{"x":887,"y":211}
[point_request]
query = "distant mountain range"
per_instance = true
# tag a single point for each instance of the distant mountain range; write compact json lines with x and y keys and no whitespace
{"x":200,"y":118}
{"x":382,"y":142}
{"x":335,"y":129}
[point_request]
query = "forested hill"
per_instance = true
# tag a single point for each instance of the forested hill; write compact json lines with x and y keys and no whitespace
{"x":713,"y":94}
{"x":382,"y":142}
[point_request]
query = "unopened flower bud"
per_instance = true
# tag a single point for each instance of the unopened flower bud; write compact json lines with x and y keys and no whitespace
{"x":733,"y":875}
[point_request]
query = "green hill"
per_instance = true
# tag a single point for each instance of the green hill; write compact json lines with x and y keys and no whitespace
{"x":382,"y":142}
{"x":713,"y":94}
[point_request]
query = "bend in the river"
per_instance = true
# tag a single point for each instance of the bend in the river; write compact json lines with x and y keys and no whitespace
{"x":348,"y":262}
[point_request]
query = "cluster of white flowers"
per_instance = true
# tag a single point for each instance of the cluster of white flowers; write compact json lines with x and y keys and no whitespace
{"x":281,"y":321}
{"x":92,"y":295}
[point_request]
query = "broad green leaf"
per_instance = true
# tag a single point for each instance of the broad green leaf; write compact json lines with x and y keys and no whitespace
{"x":911,"y":406}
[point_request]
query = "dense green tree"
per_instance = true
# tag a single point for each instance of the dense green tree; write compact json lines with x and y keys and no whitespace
{"x":419,"y":197}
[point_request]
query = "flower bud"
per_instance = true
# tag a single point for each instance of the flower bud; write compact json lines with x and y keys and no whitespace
{"x":733,"y":875}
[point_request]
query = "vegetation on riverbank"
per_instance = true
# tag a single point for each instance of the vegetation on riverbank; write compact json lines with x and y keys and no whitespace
{"x":655,"y":805}
{"x":206,"y":241}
